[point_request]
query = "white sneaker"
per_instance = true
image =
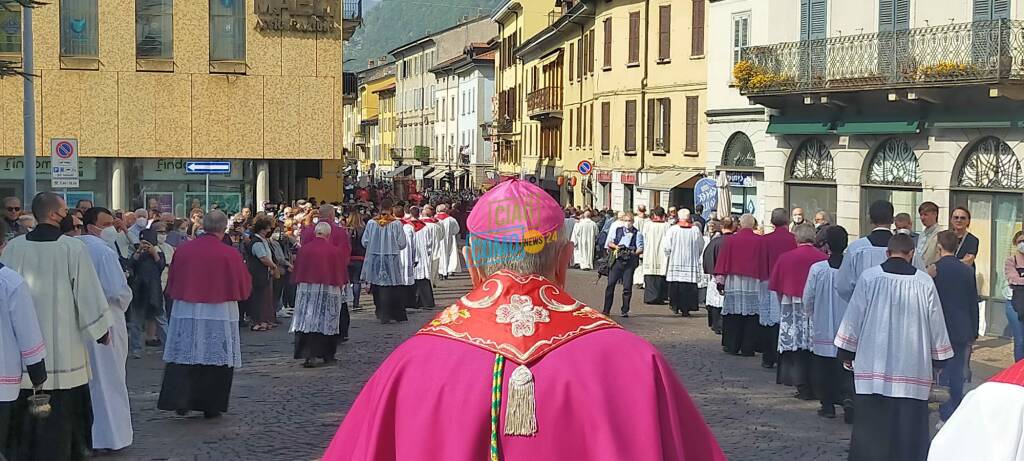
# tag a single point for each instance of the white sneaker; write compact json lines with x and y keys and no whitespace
{"x":938,"y":425}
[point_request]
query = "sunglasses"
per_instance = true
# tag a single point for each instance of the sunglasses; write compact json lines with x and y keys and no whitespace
{"x":960,"y":218}
{"x":13,"y":209}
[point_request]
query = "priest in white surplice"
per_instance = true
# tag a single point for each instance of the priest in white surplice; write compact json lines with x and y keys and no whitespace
{"x":424,"y":237}
{"x":429,"y":219}
{"x":448,"y":259}
{"x":891,"y":335}
{"x":407,"y":258}
{"x":868,"y":251}
{"x":583,"y":237}
{"x":655,"y":260}
{"x":70,"y":305}
{"x":684,"y":244}
{"x":112,"y":417}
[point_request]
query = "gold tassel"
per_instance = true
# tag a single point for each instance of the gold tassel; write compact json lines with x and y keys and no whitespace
{"x":521,"y":407}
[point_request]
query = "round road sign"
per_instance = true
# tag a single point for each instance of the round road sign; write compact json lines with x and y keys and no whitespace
{"x":65,"y":150}
{"x":585,"y":167}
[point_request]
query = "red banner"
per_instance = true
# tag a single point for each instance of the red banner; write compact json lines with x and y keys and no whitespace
{"x":604,"y":176}
{"x":629,"y":178}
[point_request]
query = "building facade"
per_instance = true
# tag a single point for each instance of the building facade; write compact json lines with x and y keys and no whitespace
{"x":370,"y":153}
{"x":463,"y":100}
{"x":893,"y":112}
{"x":148,"y":87}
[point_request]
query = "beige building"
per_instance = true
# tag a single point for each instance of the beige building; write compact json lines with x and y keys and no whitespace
{"x":147,"y":85}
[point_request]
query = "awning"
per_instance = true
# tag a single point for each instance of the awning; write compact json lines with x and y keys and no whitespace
{"x":975,"y":121}
{"x":785,"y":125}
{"x":460,"y":173}
{"x":437,"y":173}
{"x":668,"y":180}
{"x":846,"y":127}
{"x":398,"y":171}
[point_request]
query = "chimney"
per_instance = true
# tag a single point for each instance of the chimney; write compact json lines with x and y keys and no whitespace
{"x":371,"y":63}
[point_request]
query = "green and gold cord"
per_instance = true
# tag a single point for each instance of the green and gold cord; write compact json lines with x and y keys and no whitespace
{"x":496,"y":381}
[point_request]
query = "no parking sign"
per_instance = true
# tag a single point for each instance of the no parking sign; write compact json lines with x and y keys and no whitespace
{"x":63,"y":163}
{"x":585,"y":167}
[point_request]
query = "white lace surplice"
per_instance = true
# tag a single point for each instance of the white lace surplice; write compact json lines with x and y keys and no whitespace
{"x":795,"y":331}
{"x":743,"y":295}
{"x":204,"y":334}
{"x":318,"y":308}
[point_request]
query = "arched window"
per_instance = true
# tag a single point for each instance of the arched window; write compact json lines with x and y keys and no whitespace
{"x":812,"y":179}
{"x":892,"y":174}
{"x":894,"y":164}
{"x":739,"y":151}
{"x":813,"y":162}
{"x":991,"y":164}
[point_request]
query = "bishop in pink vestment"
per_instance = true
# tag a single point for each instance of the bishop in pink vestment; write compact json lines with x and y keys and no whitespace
{"x":520,"y":370}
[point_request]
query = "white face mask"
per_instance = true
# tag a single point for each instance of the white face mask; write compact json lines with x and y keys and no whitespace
{"x":141,"y":222}
{"x":316,"y":220}
{"x":903,"y":231}
{"x":1020,"y":247}
{"x":798,"y":219}
{"x":161,"y":238}
{"x":109,"y":234}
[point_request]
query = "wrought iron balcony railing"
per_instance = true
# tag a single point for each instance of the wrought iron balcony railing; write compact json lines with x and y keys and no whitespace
{"x":504,"y":125}
{"x":353,"y":9}
{"x":954,"y":54}
{"x":544,"y":101}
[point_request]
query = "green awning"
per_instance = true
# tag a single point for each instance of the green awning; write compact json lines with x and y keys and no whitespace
{"x":975,"y":121}
{"x":878,"y":127}
{"x":782,"y":125}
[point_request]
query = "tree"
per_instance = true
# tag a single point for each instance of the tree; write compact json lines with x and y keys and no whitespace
{"x":7,"y":68}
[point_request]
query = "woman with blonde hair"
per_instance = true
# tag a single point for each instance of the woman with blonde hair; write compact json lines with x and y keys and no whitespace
{"x":356,"y":226}
{"x":1014,"y":272}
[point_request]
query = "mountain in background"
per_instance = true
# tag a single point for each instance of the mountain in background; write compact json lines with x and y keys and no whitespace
{"x":388,"y":24}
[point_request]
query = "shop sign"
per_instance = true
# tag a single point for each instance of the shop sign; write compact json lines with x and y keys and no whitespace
{"x":13,"y":168}
{"x":628,"y":178}
{"x":741,"y":179}
{"x":296,"y":15}
{"x":705,"y":193}
{"x":604,"y":176}
{"x":174,"y":169}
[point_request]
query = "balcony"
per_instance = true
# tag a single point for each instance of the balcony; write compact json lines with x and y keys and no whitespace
{"x":352,"y":17}
{"x":982,"y":52}
{"x":544,"y":103}
{"x":504,"y":126}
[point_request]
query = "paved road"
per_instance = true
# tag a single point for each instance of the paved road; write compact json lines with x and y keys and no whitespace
{"x":281,"y":411}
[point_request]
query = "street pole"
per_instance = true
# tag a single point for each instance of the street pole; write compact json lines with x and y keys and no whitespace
{"x":207,"y":192}
{"x":29,"y":106}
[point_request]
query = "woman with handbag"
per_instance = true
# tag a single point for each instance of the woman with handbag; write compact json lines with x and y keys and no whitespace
{"x":1014,"y":272}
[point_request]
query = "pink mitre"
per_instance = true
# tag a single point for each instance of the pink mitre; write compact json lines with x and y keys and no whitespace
{"x":515,"y":211}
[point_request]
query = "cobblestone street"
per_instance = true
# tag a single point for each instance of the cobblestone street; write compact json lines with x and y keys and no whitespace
{"x":281,"y":411}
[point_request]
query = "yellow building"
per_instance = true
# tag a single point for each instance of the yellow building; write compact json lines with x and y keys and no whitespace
{"x":517,"y":22}
{"x":372,"y":87}
{"x":388,"y":128}
{"x":147,"y":85}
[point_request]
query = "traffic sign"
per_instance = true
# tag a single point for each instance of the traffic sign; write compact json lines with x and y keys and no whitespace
{"x":585,"y":167}
{"x":207,"y":167}
{"x":63,"y":163}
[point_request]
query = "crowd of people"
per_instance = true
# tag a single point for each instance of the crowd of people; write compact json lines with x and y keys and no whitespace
{"x":145,"y":279}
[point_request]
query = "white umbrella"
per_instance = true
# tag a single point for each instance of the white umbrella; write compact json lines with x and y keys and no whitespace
{"x":724,"y":196}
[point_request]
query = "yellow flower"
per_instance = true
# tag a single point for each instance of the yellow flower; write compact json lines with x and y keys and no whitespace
{"x":450,"y":315}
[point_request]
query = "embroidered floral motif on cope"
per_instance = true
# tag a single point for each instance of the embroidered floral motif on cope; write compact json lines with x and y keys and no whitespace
{"x":522,"y":314}
{"x":450,"y":315}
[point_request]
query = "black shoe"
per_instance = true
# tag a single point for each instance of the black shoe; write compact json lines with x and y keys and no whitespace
{"x":606,"y":313}
{"x":625,"y":315}
{"x":154,"y":342}
{"x":848,"y":413}
{"x":308,"y":364}
{"x":767,"y":366}
{"x":747,"y":354}
{"x":804,"y":395}
{"x":685,"y":314}
{"x":211,"y":414}
{"x":181,"y":412}
{"x":827,"y":411}
{"x":330,"y":361}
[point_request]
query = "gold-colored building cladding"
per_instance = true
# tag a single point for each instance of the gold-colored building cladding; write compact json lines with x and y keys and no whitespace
{"x":197,"y":79}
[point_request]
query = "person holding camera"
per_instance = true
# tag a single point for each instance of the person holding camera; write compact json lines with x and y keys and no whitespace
{"x":625,"y":246}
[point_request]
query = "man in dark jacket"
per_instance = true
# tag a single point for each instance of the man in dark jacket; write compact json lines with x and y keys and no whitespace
{"x":715,"y":298}
{"x":958,"y":292}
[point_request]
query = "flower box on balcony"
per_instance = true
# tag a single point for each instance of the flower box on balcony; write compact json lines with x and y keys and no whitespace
{"x":421,"y":153}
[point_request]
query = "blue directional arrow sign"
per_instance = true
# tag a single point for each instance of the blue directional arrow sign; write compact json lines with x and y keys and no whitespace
{"x":208,"y":167}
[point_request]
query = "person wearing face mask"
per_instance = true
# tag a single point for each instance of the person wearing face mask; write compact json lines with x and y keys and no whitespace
{"x":72,"y":228}
{"x":1014,"y":272}
{"x":260,"y":260}
{"x":71,"y":306}
{"x":147,"y":266}
{"x":797,"y":218}
{"x":112,"y":423}
{"x":141,"y":222}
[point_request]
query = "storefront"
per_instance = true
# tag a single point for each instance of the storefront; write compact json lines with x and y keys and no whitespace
{"x":740,"y":166}
{"x":164,"y":185}
{"x":989,"y":182}
{"x":672,"y":188}
{"x":603,"y":192}
{"x":892,"y":174}
{"x":94,"y":179}
{"x":811,"y":182}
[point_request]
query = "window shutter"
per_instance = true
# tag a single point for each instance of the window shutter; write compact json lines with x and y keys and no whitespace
{"x":982,"y":10}
{"x":608,"y":42}
{"x":570,"y":127}
{"x":692,"y":108}
{"x":818,"y":19}
{"x":886,"y":11}
{"x":572,"y":61}
{"x":579,"y":59}
{"x":697,"y":45}
{"x":902,"y":14}
{"x":634,"y":38}
{"x":579,"y":126}
{"x":666,"y":124}
{"x":805,"y":19}
{"x":631,"y":126}
{"x":606,"y":125}
{"x":650,"y":125}
{"x":590,"y":45}
{"x":665,"y":32}
{"x":590,"y":129}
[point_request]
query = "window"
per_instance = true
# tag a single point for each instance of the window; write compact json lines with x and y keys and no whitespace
{"x":590,"y":128}
{"x":571,"y":112}
{"x":227,"y":30}
{"x":154,"y":29}
{"x":811,"y":183}
{"x":692,"y":122}
{"x":581,"y":56}
{"x":740,"y":35}
{"x":580,"y":122}
{"x":79,"y":29}
{"x":697,"y":42}
{"x":739,"y":151}
{"x":631,"y":127}
{"x":606,"y":125}
{"x":572,"y":62}
{"x":634,"y":38}
{"x":453,"y":108}
{"x":607,"y":43}
{"x":659,"y":125}
{"x":591,"y":58}
{"x":892,"y":174}
{"x":665,"y":33}
{"x":10,"y":31}
{"x":990,"y":10}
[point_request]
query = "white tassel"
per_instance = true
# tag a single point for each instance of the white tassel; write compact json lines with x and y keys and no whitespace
{"x":521,"y":407}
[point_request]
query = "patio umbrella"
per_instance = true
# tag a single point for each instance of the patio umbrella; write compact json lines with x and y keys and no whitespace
{"x":724,"y":196}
